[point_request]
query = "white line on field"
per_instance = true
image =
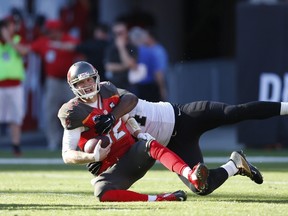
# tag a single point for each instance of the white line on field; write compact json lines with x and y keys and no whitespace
{"x":51,"y":161}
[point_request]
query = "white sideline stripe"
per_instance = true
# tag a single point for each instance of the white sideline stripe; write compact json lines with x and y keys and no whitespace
{"x":48,"y":161}
{"x":34,"y":161}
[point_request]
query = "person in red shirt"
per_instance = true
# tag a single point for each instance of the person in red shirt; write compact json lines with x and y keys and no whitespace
{"x":55,"y":63}
{"x":122,"y":162}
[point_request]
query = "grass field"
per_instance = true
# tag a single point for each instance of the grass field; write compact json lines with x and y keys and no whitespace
{"x":66,"y":190}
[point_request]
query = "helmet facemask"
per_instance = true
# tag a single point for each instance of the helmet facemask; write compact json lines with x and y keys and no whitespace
{"x":88,"y":92}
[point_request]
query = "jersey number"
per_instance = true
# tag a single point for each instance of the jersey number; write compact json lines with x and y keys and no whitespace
{"x":140,"y":120}
{"x":115,"y":134}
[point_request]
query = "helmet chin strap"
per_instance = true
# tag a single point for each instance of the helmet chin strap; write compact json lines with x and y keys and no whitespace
{"x":85,"y":98}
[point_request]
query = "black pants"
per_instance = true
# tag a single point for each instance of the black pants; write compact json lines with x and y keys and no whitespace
{"x":198,"y":117}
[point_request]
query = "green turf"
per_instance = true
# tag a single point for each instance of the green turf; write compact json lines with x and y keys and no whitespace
{"x":66,"y":190}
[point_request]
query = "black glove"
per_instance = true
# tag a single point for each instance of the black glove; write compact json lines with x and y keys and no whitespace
{"x":94,"y":167}
{"x":104,"y":123}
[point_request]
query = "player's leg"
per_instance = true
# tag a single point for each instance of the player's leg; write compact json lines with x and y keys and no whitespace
{"x":189,"y":150}
{"x":112,"y":185}
{"x":197,"y":175}
{"x":51,"y":107}
{"x":237,"y":165}
{"x":15,"y":130}
{"x":208,"y":115}
{"x":15,"y":115}
{"x":53,"y":102}
{"x":197,"y":117}
{"x":214,"y":180}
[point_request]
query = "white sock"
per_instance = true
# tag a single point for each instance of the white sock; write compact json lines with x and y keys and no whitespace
{"x":186,"y":171}
{"x":152,"y":198}
{"x":230,"y":168}
{"x":284,"y":108}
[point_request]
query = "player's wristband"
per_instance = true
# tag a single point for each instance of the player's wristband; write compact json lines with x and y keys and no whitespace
{"x":132,"y":125}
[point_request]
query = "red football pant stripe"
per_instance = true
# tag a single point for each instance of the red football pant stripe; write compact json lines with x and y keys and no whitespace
{"x":123,"y":196}
{"x":168,"y":158}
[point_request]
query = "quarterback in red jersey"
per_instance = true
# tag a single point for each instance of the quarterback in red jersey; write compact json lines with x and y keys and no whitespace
{"x":81,"y":114}
{"x":123,"y":161}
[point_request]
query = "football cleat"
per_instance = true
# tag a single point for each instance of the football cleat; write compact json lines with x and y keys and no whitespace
{"x":245,"y":168}
{"x":176,"y":196}
{"x":198,"y":176}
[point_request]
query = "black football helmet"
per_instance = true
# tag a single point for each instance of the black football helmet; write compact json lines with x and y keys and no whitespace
{"x":79,"y":71}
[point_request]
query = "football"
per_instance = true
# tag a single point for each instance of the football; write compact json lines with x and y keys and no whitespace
{"x":91,"y":144}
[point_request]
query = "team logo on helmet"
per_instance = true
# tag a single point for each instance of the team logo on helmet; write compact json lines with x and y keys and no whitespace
{"x":83,"y":75}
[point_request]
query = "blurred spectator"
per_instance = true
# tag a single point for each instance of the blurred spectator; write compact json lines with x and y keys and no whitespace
{"x":56,"y":62}
{"x":154,"y":56}
{"x":121,"y":56}
{"x":20,"y":26}
{"x":38,"y":29}
{"x":74,"y":15}
{"x":93,"y":49}
{"x":11,"y":76}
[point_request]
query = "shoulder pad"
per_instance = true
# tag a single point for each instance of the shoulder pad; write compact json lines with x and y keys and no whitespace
{"x":107,"y":89}
{"x":72,"y":114}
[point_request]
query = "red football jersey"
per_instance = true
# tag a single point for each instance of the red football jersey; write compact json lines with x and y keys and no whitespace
{"x":56,"y":61}
{"x":77,"y":114}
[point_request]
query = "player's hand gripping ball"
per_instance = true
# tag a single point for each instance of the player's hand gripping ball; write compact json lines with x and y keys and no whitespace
{"x":91,"y":144}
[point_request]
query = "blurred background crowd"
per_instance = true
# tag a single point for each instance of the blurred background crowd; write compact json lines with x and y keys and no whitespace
{"x":177,"y":51}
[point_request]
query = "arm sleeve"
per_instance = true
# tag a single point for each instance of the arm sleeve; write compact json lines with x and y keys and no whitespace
{"x":71,"y":139}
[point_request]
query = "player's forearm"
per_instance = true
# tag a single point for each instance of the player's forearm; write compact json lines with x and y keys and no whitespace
{"x":133,"y":127}
{"x":77,"y":157}
{"x":127,"y":103}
